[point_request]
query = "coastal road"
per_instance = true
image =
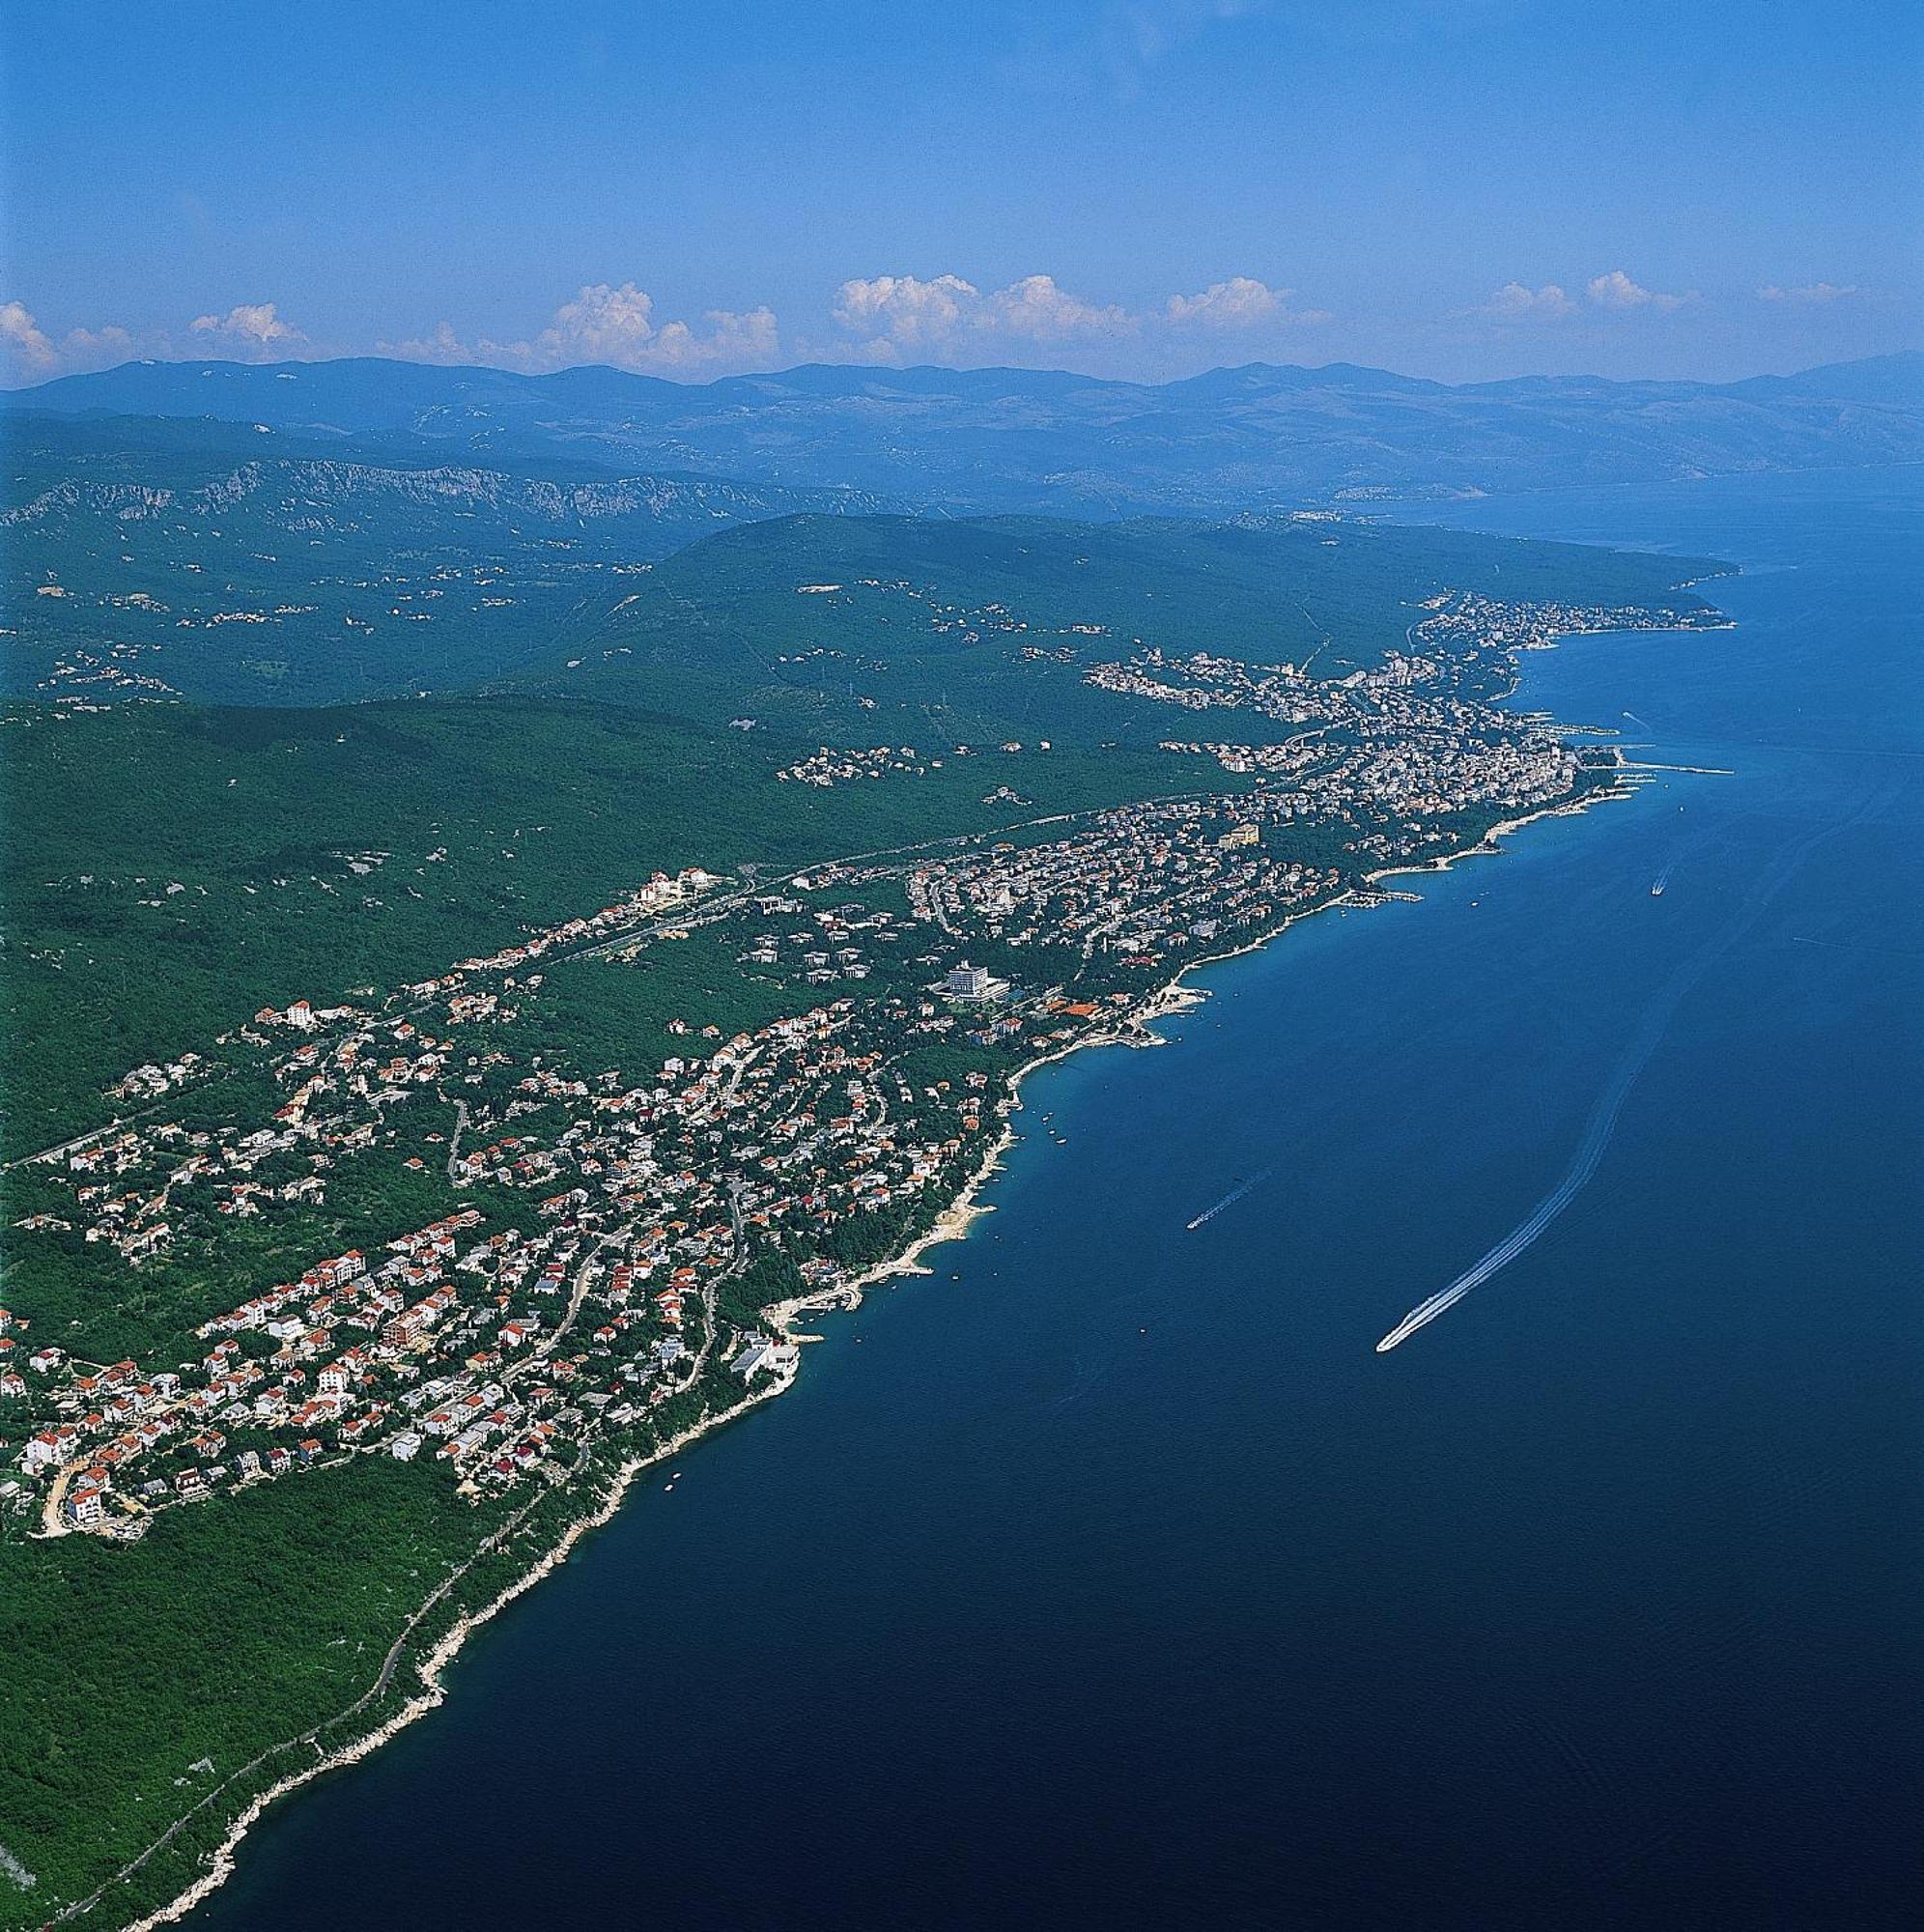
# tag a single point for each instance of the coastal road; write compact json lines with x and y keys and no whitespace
{"x":584,"y":1277}
{"x":454,"y":1141}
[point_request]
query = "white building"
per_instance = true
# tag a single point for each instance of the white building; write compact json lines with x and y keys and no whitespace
{"x":973,"y":982}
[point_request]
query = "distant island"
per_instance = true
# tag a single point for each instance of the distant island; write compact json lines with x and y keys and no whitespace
{"x":425,"y":1113}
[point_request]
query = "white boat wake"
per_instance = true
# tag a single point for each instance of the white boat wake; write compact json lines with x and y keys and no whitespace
{"x":1228,"y":1199}
{"x":1588,"y":1155}
{"x":1603,"y":1122}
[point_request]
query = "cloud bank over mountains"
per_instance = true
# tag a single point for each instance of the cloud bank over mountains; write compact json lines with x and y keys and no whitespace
{"x":1612,"y":294}
{"x":252,"y":327}
{"x":249,"y":332}
{"x":616,"y":326}
{"x":884,"y":319}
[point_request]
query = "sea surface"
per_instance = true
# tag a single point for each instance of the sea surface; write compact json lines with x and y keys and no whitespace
{"x":1110,"y":1576}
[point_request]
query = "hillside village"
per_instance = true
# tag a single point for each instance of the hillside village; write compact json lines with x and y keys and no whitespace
{"x":560,"y":1248}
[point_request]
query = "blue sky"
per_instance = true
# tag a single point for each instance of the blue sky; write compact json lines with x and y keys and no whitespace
{"x":1455,"y":188}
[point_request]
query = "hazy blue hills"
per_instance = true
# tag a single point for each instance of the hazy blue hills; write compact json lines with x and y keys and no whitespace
{"x":1875,"y":380}
{"x":1256,"y":437}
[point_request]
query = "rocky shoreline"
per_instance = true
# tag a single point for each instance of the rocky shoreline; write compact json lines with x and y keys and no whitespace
{"x":445,"y":1649}
{"x":952,"y":1223}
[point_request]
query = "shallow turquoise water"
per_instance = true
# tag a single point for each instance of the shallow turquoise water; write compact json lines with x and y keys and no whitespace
{"x":1110,"y":1576}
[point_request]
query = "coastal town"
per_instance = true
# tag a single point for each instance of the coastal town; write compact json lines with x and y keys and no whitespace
{"x":974,"y":916}
{"x":549,"y":1250}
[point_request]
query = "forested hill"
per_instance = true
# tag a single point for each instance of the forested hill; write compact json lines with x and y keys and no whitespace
{"x":865,"y":629}
{"x":1260,"y":436}
{"x":171,"y":862}
{"x":235,"y":562}
{"x":290,"y":580}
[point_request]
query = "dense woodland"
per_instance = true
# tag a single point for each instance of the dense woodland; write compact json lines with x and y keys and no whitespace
{"x":484,"y":817}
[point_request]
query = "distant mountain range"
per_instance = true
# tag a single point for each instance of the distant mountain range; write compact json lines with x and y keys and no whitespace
{"x":1011,"y":440}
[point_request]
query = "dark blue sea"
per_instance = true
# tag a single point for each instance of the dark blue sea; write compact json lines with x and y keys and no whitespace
{"x":1110,"y":1576}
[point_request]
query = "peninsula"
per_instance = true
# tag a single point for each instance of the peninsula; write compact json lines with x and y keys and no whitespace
{"x":335,"y":1318}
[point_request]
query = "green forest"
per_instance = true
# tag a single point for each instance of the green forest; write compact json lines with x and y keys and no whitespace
{"x":486,"y":816}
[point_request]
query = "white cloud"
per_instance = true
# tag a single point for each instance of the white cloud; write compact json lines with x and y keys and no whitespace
{"x":600,"y":324}
{"x":1514,"y":303}
{"x":946,"y":317}
{"x":250,"y":329}
{"x":893,"y":316}
{"x":97,"y":348}
{"x":904,"y":312}
{"x":1240,"y":302}
{"x":1815,"y":294}
{"x":24,"y":341}
{"x":1034,"y":307}
{"x":28,"y":353}
{"x":442,"y":346}
{"x":750,"y":339}
{"x":615,"y":325}
{"x":1617,"y":292}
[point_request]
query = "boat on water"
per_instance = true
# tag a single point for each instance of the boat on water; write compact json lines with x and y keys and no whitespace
{"x":1657,"y":889}
{"x":1210,"y":1213}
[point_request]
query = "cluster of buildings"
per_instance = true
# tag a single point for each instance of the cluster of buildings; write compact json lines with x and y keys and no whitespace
{"x":590,"y":1289}
{"x":144,"y":1187}
{"x":965,"y":624}
{"x":1461,"y":653}
{"x":1145,"y":885}
{"x":829,"y":768}
{"x":610,"y":1239}
{"x":1400,"y":749}
{"x":660,"y":893}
